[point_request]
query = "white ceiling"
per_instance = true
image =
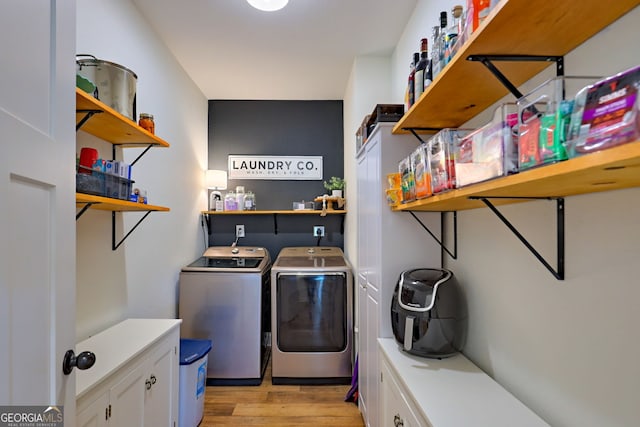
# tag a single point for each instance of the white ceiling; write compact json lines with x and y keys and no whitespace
{"x":304,"y":51}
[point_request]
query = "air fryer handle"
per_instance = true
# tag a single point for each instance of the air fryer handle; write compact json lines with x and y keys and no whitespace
{"x":408,"y":333}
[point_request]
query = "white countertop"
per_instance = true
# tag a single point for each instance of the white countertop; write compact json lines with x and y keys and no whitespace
{"x":453,"y":392}
{"x":117,"y":345}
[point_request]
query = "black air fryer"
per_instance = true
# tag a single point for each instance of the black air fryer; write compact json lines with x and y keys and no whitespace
{"x":428,"y":314}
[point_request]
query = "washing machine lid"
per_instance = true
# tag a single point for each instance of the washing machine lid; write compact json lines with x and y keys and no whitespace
{"x":311,"y":251}
{"x":311,"y":257}
{"x":226,"y":262}
{"x":235,"y":251}
{"x":231,"y":259}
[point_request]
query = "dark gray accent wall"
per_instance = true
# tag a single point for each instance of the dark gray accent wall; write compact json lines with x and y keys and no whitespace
{"x":283,"y":128}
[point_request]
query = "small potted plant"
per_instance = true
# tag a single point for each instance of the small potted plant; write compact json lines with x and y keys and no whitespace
{"x":335,"y":185}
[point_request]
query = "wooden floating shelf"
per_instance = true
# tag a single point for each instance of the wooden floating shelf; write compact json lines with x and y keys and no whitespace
{"x":606,"y":170}
{"x":515,"y":27}
{"x":112,"y":126}
{"x":277,"y":212}
{"x":109,"y":204}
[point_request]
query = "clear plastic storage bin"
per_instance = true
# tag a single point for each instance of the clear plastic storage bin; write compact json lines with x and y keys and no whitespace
{"x":407,"y":180}
{"x":543,"y":118}
{"x":421,"y":172}
{"x":606,"y":114}
{"x":490,"y":151}
{"x":441,"y":151}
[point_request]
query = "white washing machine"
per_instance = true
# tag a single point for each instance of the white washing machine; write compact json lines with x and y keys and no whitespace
{"x":224,"y":296}
{"x":312,"y":316}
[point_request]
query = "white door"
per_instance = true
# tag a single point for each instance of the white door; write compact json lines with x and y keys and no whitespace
{"x":37,"y":208}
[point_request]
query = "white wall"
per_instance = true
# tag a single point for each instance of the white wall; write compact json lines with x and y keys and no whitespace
{"x":140,"y":278}
{"x":568,"y":349}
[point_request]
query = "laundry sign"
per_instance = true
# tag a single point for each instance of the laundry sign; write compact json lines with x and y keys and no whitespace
{"x":275,"y":167}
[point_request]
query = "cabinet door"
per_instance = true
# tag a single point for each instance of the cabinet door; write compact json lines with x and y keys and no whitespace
{"x":395,"y":410}
{"x":363,"y":363}
{"x":96,"y":414}
{"x":362,"y":216}
{"x":368,"y":358}
{"x":389,"y":398}
{"x":371,"y":358}
{"x":161,"y":371}
{"x":368,"y":230}
{"x":374,"y":195}
{"x":127,"y":400}
{"x":368,"y":279}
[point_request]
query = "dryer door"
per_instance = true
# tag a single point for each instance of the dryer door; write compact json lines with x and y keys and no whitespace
{"x":311,"y":312}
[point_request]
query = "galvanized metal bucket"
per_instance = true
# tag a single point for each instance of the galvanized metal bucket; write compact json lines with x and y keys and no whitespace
{"x":115,"y":84}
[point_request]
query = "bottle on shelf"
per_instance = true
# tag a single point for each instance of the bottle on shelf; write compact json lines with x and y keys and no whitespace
{"x":452,"y":33}
{"x":250,"y":201}
{"x":407,"y":105}
{"x":482,"y":9}
{"x":442,"y":40}
{"x":230,"y":202}
{"x":410,"y":96}
{"x":428,"y":73}
{"x":435,"y":43}
{"x":240,"y":197}
{"x":421,"y":67}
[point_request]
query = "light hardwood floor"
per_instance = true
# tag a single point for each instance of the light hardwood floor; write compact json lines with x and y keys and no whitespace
{"x":279,"y":405}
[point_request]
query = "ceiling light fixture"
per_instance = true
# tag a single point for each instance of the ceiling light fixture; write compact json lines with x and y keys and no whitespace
{"x":268,"y":5}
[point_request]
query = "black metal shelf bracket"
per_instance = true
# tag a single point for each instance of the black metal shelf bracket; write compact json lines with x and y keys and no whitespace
{"x":487,"y":61}
{"x":85,"y":208}
{"x":559,"y":273}
{"x":115,"y":246}
{"x":453,"y":254}
{"x":414,"y":131}
{"x":113,"y":153}
{"x":208,"y":220}
{"x":88,"y":115}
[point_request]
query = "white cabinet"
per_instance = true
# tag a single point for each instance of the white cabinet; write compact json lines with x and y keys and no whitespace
{"x":396,"y":409}
{"x":134,"y":381}
{"x":449,"y":392}
{"x":368,"y":292}
{"x":388,"y":244}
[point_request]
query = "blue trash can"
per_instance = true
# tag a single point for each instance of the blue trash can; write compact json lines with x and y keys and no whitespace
{"x":193,"y":379}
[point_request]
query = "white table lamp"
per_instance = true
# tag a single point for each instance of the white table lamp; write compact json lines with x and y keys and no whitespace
{"x":216,"y":180}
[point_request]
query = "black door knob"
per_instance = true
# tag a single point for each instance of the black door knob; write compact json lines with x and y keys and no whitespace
{"x":82,"y":361}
